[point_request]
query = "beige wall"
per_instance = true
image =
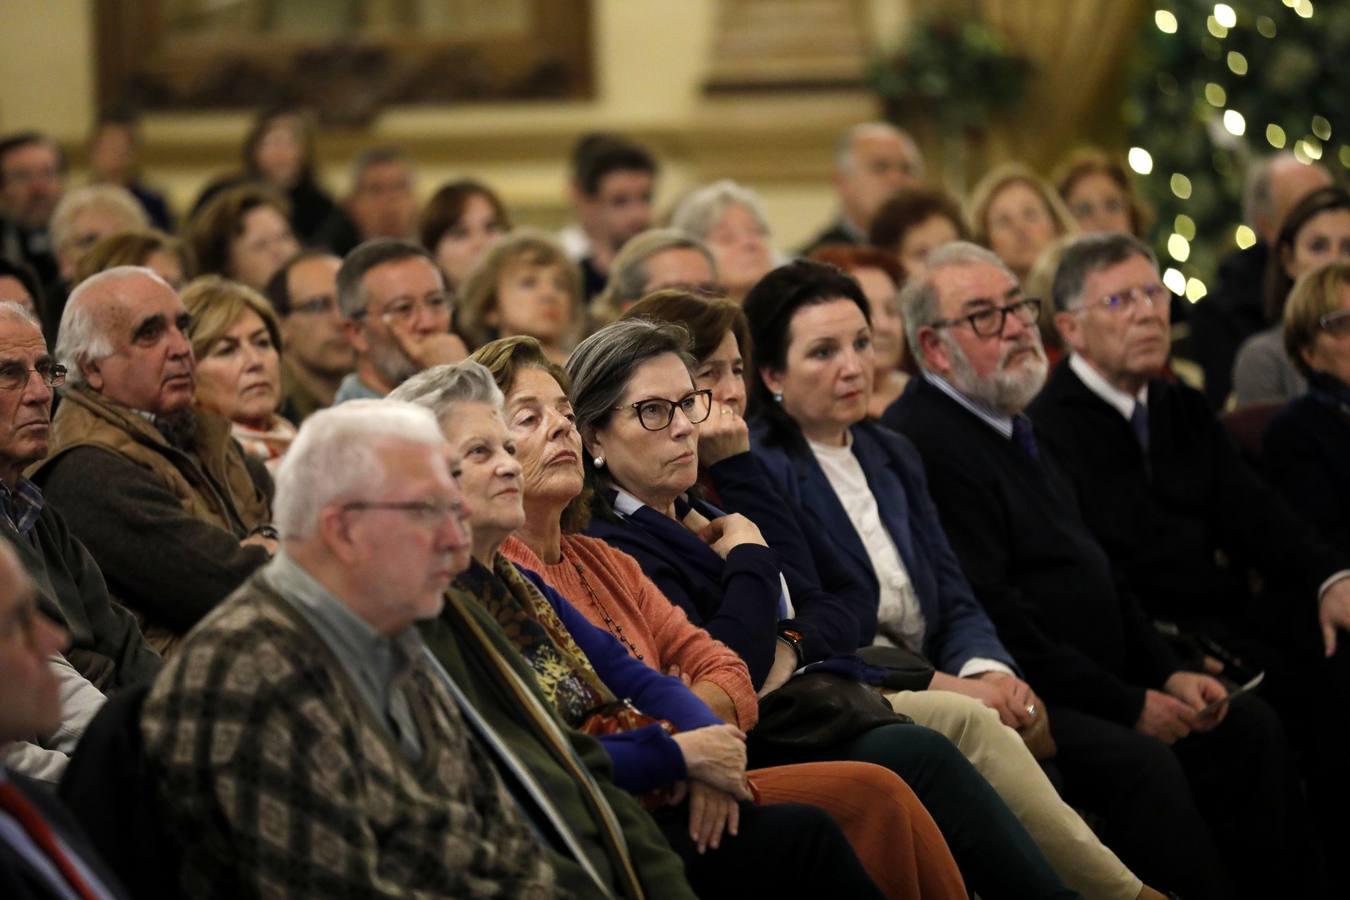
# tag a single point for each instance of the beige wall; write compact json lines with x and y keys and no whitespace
{"x":651,"y":61}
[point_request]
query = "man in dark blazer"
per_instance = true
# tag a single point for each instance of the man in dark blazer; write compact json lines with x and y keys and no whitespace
{"x":1181,"y":516}
{"x":1173,"y":780}
{"x":871,"y":162}
{"x":43,"y":852}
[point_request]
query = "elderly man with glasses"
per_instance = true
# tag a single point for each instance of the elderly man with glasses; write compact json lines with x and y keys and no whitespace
{"x":173,"y":512}
{"x":397,"y":313}
{"x":1141,"y":741}
{"x":1183,"y":519}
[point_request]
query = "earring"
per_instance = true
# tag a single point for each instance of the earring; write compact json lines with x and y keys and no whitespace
{"x":777,"y":396}
{"x":599,"y":462}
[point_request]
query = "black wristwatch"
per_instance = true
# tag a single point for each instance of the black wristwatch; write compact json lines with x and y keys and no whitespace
{"x":793,"y":638}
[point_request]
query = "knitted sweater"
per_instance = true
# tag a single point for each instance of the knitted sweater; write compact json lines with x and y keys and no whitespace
{"x":601,"y":581}
{"x":282,"y":783}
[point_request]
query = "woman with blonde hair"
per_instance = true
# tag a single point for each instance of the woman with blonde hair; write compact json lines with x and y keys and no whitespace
{"x":236,"y":340}
{"x":1016,"y":214}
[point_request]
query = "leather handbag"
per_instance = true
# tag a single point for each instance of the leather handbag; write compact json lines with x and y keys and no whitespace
{"x":819,"y":709}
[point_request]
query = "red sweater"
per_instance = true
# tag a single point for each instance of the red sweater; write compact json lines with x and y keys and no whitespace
{"x":593,"y":576}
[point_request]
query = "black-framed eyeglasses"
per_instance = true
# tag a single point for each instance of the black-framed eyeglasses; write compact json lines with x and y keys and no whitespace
{"x":1336,"y":324}
{"x":657,"y":413}
{"x":424,"y":512}
{"x":13,"y":376}
{"x":988,"y":321}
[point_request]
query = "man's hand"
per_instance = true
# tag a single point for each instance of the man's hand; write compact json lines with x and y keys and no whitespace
{"x":1333,"y":611}
{"x":437,"y":349}
{"x":1198,"y":691}
{"x":715,"y":755}
{"x":1007,"y":695}
{"x":785,"y":662}
{"x":258,"y":540}
{"x":1164,"y":717}
{"x":722,"y":435}
{"x":711,"y":812}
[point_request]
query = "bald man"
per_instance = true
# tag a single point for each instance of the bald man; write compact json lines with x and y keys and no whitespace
{"x":872,"y":161}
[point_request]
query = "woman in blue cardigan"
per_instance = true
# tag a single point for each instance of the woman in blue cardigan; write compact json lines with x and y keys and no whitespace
{"x":783,"y":490}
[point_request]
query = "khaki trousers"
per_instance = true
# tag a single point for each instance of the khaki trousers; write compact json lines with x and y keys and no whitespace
{"x":1085,"y":864}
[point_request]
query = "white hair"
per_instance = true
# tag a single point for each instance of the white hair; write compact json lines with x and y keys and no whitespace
{"x":107,"y":197}
{"x":700,"y":212}
{"x":441,"y":387}
{"x":843,"y":148}
{"x":80,"y":338}
{"x":919,"y":301}
{"x":336,"y":456}
{"x":13,"y":311}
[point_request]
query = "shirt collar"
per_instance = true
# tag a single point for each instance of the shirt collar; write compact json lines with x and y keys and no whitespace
{"x":22,"y":505}
{"x":1094,"y":381}
{"x":997,"y":421}
{"x":625,"y":504}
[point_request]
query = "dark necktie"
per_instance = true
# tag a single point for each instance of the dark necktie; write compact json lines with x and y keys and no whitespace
{"x":27,"y":815}
{"x":1139,"y":425}
{"x":1023,"y":436}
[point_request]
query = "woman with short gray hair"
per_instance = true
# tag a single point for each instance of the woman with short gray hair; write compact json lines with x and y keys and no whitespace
{"x":730,"y":220}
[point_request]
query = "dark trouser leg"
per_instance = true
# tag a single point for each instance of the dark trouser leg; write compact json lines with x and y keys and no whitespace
{"x":783,"y":850}
{"x":995,"y":853}
{"x":1138,"y":787}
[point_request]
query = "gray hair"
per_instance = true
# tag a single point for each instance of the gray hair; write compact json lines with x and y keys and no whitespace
{"x":843,"y":148}
{"x":919,"y":301}
{"x":1086,"y":255}
{"x":351,"y":293}
{"x":601,"y":367}
{"x":81,"y":338}
{"x":377,"y":156}
{"x":628,"y":273}
{"x":335,"y":457}
{"x":13,"y":311}
{"x":700,"y":212}
{"x":440,"y":388}
{"x":107,"y":197}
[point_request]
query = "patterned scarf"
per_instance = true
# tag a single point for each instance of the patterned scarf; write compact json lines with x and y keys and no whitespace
{"x":561,"y":667}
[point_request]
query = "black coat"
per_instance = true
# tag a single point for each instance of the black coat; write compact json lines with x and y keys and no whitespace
{"x":1182,"y":527}
{"x":1046,"y":583}
{"x":1307,"y":458}
{"x":1231,"y":313}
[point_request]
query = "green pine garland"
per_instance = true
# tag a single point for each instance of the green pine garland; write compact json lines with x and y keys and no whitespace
{"x":1283,"y":66}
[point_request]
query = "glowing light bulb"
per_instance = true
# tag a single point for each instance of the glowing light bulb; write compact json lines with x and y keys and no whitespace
{"x":1140,"y":160}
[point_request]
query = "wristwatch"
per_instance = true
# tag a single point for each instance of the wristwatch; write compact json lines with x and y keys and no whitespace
{"x":793,"y":638}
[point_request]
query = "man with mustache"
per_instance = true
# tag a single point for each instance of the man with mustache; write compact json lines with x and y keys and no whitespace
{"x":396,"y":311}
{"x":1182,"y":517}
{"x":1173,"y":779}
{"x":167,"y":503}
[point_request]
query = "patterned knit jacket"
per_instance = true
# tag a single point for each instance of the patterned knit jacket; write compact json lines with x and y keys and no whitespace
{"x":280,"y":781}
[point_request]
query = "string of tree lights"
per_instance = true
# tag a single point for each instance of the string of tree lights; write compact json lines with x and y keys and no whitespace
{"x":1216,"y":85}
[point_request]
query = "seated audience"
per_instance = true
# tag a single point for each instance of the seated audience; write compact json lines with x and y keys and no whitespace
{"x":915,"y":221}
{"x":114,"y":158}
{"x":279,"y":154}
{"x":318,"y":353}
{"x":396,"y":314}
{"x":382,"y":202}
{"x":871,"y":162}
{"x":1316,"y":231}
{"x":19,"y":285}
{"x":613,"y":181}
{"x":638,"y":414}
{"x":32,"y":180}
{"x":243,"y":233}
{"x":44,"y":853}
{"x":172,"y":511}
{"x":1307,"y":443}
{"x":105,"y":644}
{"x":165,"y":255}
{"x":765,"y":487}
{"x":1194,"y":795}
{"x":236,"y":342}
{"x":524,"y":284}
{"x":317,"y":654}
{"x":458,"y":224}
{"x":880,"y":277}
{"x":583,"y":669}
{"x":729,"y":220}
{"x":1099,"y":194}
{"x":1016,"y":214}
{"x":1181,"y":517}
{"x":658,"y":258}
{"x":1234,"y":308}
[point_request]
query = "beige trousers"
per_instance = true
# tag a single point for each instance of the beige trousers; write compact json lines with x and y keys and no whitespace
{"x":1085,"y":864}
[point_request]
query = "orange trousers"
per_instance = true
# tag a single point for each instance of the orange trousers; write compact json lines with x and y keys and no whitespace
{"x":892,"y":833}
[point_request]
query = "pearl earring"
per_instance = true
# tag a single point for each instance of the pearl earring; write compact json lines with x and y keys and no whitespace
{"x":599,"y":462}
{"x":777,"y":396}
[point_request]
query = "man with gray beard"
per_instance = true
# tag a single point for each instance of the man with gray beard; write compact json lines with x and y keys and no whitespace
{"x":1174,"y":770}
{"x":396,"y":311}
